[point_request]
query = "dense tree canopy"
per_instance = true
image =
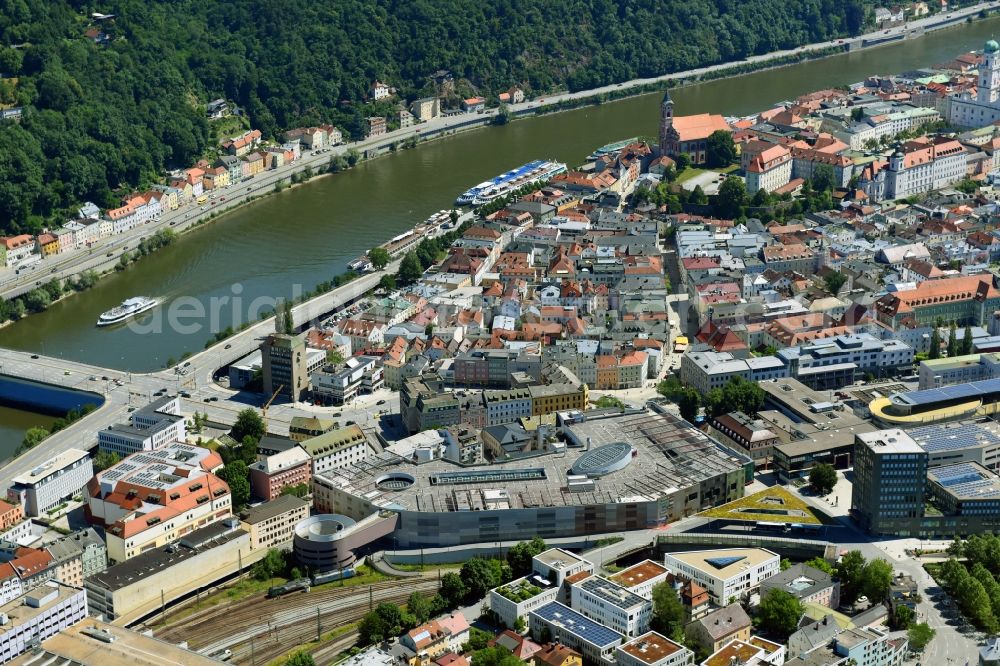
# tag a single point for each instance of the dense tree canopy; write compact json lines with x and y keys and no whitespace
{"x":104,"y":117}
{"x":779,"y":613}
{"x":823,"y":478}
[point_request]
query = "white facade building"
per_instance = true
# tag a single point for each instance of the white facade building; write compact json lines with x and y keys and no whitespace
{"x":519,"y":597}
{"x":769,"y":169}
{"x":984,"y":109}
{"x":38,"y":615}
{"x":641,"y":578}
{"x":707,"y":370}
{"x":154,"y":426}
{"x":612,"y":605}
{"x":50,"y":483}
{"x":653,"y":649}
{"x":725,"y":574}
{"x":337,"y":449}
{"x":923,"y":165}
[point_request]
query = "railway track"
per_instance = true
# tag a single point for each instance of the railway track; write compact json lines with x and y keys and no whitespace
{"x":265,"y":644}
{"x":257,"y":629}
{"x":254,"y":608}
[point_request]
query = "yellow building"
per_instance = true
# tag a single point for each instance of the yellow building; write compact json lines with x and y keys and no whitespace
{"x":216,"y":178}
{"x":256,"y":162}
{"x":555,"y":654}
{"x":272,"y":524}
{"x":169,"y":200}
{"x":48,"y":244}
{"x":550,"y":398}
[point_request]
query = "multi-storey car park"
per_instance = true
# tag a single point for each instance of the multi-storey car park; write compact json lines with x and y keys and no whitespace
{"x":618,"y":472}
{"x":946,"y":403}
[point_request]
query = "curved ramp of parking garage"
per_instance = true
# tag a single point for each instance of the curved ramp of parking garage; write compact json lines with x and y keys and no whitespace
{"x":384,"y":567}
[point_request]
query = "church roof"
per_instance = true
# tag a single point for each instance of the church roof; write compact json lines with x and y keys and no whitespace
{"x":700,"y":126}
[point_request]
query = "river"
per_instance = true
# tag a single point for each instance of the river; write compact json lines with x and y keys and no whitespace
{"x":308,"y":234}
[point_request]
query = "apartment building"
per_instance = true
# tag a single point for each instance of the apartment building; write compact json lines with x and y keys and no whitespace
{"x":149,"y":499}
{"x":641,"y":578}
{"x":52,"y":482}
{"x":151,"y":427}
{"x":272,"y":474}
{"x":612,"y":605}
{"x":337,"y":449}
{"x":592,"y":639}
{"x":726,"y":574}
{"x":653,"y":649}
{"x":272,"y":524}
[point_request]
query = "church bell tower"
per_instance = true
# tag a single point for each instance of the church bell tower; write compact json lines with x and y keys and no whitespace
{"x":988,"y":85}
{"x":666,"y":121}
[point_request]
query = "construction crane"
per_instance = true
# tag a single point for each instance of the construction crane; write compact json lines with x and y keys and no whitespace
{"x":263,"y":410}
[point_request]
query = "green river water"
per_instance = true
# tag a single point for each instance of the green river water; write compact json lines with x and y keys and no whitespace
{"x":306,"y":235}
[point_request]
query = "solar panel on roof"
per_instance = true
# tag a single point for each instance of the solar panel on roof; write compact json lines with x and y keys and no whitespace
{"x":723,"y":562}
{"x":577,"y":624}
{"x":957,"y":391}
{"x":952,"y":436}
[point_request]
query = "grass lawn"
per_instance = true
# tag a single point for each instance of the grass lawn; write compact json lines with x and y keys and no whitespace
{"x":363,"y":575}
{"x":313,"y":645}
{"x":772,"y":505}
{"x":689,"y":173}
{"x":692,"y":171}
{"x":426,"y":567}
{"x":247,"y":587}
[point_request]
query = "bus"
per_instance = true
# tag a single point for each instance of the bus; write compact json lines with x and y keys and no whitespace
{"x":765,"y":526}
{"x":202,"y":199}
{"x":809,"y":529}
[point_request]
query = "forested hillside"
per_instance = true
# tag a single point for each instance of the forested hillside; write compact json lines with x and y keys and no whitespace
{"x":102,"y":117}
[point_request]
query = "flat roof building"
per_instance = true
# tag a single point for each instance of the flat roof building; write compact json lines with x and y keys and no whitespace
{"x":641,"y":578}
{"x":938,"y":372}
{"x":592,"y":639}
{"x":948,"y":403}
{"x":726,"y":574}
{"x":653,"y":649}
{"x":133,"y":589}
{"x":966,"y":489}
{"x":812,"y":429}
{"x":51,"y":482}
{"x":657,"y":469}
{"x":557,"y":564}
{"x":964,"y":441}
{"x":37,"y":615}
{"x":272,"y":474}
{"x":95,"y":643}
{"x":612,"y":605}
{"x":272,"y":524}
{"x":890,"y":472}
{"x":151,"y":427}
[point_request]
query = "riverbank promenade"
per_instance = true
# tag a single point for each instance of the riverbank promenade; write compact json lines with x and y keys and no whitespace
{"x":123,"y":391}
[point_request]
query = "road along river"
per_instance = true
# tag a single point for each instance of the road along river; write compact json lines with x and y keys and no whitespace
{"x":306,"y":235}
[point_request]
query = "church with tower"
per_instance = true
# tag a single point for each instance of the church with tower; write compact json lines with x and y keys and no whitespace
{"x":687,"y":134}
{"x":984,"y":108}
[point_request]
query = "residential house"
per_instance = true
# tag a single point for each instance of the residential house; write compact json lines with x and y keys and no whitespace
{"x":379,"y":90}
{"x":427,"y":108}
{"x":376,"y":126}
{"x":474,"y":104}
